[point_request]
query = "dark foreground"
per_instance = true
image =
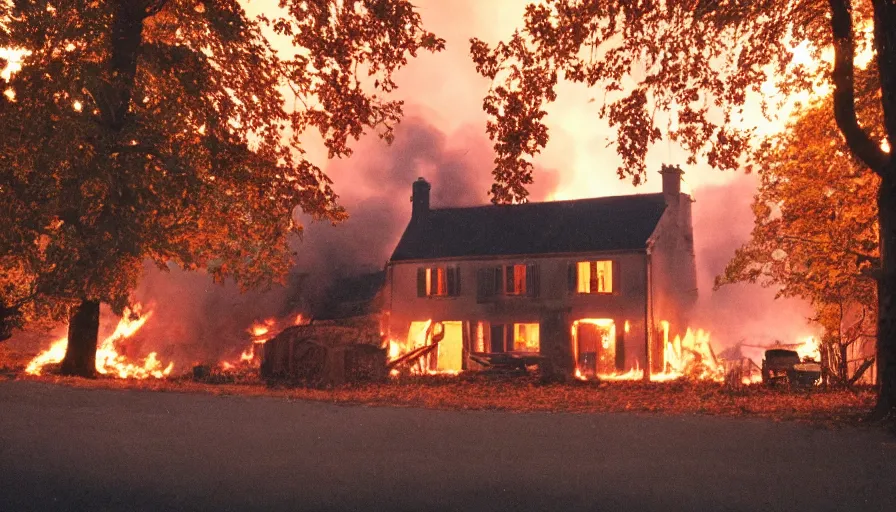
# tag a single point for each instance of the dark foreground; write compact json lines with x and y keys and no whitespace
{"x":81,"y":449}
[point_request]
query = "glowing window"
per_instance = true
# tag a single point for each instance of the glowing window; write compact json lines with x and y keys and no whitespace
{"x":594,"y":276}
{"x":438,"y":281}
{"x":515,"y":279}
{"x":525,"y":337}
{"x":522,"y":337}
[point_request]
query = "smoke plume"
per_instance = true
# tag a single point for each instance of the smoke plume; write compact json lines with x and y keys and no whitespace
{"x":196,"y":320}
{"x":740,"y":312}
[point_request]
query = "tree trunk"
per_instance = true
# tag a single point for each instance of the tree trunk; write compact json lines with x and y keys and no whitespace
{"x":886,"y":291}
{"x":114,"y":90}
{"x":83,"y":330}
{"x":843,"y":369}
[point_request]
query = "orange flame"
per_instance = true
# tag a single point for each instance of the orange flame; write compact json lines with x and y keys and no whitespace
{"x":809,"y":349}
{"x":419,"y":335}
{"x":108,"y":360}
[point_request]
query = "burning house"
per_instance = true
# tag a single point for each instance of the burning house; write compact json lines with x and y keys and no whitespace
{"x":593,"y":285}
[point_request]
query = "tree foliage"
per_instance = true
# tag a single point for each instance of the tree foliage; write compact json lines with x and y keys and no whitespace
{"x":696,"y":61}
{"x":172,"y":130}
{"x":816,"y":234}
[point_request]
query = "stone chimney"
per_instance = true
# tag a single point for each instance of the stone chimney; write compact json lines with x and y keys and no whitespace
{"x":671,"y":183}
{"x":420,"y":198}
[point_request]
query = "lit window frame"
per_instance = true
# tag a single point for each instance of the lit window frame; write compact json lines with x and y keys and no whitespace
{"x":585,"y":282}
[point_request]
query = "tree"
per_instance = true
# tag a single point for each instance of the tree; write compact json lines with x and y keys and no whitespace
{"x":815,"y":234}
{"x":171,"y":130}
{"x":698,"y":61}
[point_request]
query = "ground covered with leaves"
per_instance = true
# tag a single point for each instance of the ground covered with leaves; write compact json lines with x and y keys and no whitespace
{"x":823,"y":407}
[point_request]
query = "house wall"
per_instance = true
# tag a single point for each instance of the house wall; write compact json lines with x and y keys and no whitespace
{"x":627,"y":303}
{"x":673,"y":274}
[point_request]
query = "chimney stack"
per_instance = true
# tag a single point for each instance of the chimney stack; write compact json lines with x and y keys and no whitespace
{"x":671,"y":182}
{"x":420,"y":198}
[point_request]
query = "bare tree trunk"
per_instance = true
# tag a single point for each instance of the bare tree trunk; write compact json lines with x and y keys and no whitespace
{"x":843,"y":363}
{"x":83,"y":330}
{"x":886,"y":290}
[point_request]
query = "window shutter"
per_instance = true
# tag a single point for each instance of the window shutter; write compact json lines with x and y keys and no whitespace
{"x":421,"y":282}
{"x":481,"y":284}
{"x":616,"y":282}
{"x":457,"y":281}
{"x":509,"y":282}
{"x":496,"y":338}
{"x":485,"y":284}
{"x":450,"y":284}
{"x":572,"y":276}
{"x":498,"y":282}
{"x":532,"y":280}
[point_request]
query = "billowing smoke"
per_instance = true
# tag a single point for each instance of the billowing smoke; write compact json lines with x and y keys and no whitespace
{"x":741,"y":312}
{"x":196,"y":320}
{"x":375,"y":188}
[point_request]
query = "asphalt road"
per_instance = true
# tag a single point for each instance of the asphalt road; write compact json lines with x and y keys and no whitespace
{"x":77,"y":449}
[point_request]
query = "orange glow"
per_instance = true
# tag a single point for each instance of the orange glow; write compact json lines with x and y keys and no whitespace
{"x":594,"y":346}
{"x":260,"y":333}
{"x":809,"y":348}
{"x":52,"y":355}
{"x":108,"y":360}
{"x":259,"y":329}
{"x":420,"y":335}
{"x":691,"y":356}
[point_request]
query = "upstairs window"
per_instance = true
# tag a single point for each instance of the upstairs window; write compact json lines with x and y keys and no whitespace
{"x":592,"y":277}
{"x":515,"y":279}
{"x":511,"y":280}
{"x":438,"y":282}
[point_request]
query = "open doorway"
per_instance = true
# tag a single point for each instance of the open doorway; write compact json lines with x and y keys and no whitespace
{"x":594,"y":345}
{"x":438,"y":346}
{"x":450,"y":352}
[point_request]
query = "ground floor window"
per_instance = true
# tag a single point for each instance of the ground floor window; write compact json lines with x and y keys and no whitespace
{"x":514,"y":337}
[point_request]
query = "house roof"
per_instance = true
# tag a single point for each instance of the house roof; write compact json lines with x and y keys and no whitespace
{"x":620,"y":223}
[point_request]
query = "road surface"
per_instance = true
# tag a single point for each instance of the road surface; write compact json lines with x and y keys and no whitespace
{"x":93,"y":450}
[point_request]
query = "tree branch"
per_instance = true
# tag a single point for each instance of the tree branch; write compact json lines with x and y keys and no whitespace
{"x":843,"y":76}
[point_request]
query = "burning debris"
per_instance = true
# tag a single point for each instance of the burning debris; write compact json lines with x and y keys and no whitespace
{"x":261,"y":332}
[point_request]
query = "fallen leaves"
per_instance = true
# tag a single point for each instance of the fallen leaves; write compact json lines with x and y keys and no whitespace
{"x":824,"y":407}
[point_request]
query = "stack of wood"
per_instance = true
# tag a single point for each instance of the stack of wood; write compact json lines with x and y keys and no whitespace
{"x":328,"y":355}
